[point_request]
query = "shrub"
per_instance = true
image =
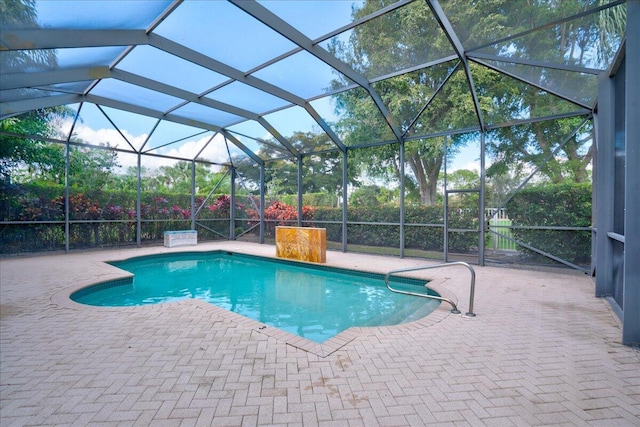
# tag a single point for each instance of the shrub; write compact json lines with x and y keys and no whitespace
{"x":424,"y":237}
{"x":310,"y":199}
{"x":547,"y":205}
{"x":281,"y":214}
{"x":560,"y":205}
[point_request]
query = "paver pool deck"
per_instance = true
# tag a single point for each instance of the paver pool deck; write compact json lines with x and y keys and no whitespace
{"x":542,"y":350}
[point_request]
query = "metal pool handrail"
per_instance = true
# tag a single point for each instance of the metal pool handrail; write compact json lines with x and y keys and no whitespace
{"x":454,"y":310}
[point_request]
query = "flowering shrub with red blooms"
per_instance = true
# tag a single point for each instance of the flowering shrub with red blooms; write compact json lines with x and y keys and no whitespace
{"x":308,"y":212}
{"x":80,"y":207}
{"x":159,"y":212}
{"x":279,"y":213}
{"x":223,"y":201}
{"x":32,"y":213}
{"x":282,"y":212}
{"x":159,"y":205}
{"x":112,"y":212}
{"x":221,"y":206}
{"x":160,"y":200}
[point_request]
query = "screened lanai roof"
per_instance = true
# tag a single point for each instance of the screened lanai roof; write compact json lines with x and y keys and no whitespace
{"x":252,"y":74}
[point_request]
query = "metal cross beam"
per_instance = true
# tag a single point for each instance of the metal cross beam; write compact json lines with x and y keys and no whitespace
{"x":226,"y":70}
{"x":276,"y":23}
{"x":169,"y":117}
{"x":446,"y":26}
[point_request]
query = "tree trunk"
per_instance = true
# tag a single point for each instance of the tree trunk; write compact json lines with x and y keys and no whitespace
{"x":433,"y":189}
{"x":577,"y":163}
{"x":426,"y":172}
{"x":552,"y":168}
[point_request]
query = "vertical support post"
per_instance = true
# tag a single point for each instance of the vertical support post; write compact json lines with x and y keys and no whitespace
{"x":481,"y":204}
{"x":67,"y":164}
{"x":631,"y":308}
{"x":445,"y":204}
{"x":594,"y":194}
{"x":66,"y":196}
{"x":604,"y":169}
{"x":345,"y":198}
{"x":402,"y":213}
{"x":139,"y":204}
{"x":300,"y":191}
{"x":262,"y":188}
{"x":232,"y":206}
{"x":193,"y":194}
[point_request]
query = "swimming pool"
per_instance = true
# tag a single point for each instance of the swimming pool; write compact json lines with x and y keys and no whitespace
{"x":312,"y":301}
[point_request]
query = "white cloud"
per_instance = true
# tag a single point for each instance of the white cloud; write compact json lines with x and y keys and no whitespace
{"x":215,"y":151}
{"x":103,"y":136}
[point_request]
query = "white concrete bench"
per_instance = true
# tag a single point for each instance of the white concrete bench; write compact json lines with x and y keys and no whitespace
{"x":180,"y":238}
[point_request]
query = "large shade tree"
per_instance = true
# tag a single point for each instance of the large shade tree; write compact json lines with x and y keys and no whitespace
{"x":439,"y":98}
{"x":554,"y":146}
{"x":375,"y":49}
{"x":319,"y":170}
{"x":15,"y":151}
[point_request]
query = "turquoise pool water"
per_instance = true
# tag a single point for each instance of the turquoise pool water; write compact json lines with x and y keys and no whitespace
{"x":314,"y":302}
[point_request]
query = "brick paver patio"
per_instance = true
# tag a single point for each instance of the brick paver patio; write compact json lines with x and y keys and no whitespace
{"x":541,"y":351}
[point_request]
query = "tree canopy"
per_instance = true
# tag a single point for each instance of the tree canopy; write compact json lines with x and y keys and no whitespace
{"x":438,"y":98}
{"x":415,"y":108}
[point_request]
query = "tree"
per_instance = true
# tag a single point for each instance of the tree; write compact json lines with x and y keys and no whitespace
{"x":588,"y":41}
{"x":463,"y":179}
{"x":177,"y":178}
{"x":371,"y":196}
{"x":514,"y":148}
{"x":410,"y":36}
{"x":374,"y":49}
{"x":319,"y":170}
{"x":128,"y":181}
{"x":18,"y":151}
{"x":92,"y":169}
{"x":26,"y":159}
{"x":30,"y":152}
{"x":500,"y":186}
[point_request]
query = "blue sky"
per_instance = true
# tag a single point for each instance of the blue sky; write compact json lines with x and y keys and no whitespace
{"x":231,"y":37}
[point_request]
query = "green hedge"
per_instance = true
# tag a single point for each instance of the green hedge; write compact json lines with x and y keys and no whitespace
{"x":45,"y":202}
{"x":310,"y":199}
{"x":563,"y":205}
{"x":547,"y":205}
{"x":424,"y":237}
